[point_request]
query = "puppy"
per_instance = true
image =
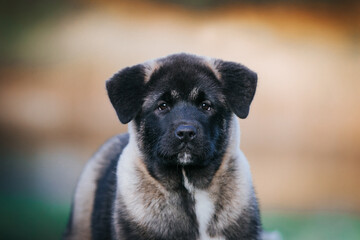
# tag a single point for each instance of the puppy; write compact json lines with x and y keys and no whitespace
{"x":179,"y":172}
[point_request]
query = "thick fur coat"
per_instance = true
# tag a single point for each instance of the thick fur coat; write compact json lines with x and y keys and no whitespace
{"x":179,"y":172}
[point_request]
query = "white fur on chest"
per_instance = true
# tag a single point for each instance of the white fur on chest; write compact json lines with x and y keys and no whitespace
{"x":204,"y":209}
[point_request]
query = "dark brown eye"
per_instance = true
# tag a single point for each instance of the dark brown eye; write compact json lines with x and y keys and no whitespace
{"x":163,"y":106}
{"x":206,"y":105}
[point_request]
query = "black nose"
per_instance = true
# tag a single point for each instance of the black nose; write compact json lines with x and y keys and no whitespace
{"x":185,"y":133}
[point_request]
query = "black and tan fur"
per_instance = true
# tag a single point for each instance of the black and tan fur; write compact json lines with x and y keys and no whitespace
{"x":179,"y":172}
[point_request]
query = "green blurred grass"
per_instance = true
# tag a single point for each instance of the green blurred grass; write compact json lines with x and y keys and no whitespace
{"x":314,"y":225}
{"x":24,"y":217}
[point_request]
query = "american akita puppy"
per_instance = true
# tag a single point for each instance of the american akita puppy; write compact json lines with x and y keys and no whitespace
{"x":179,"y":172}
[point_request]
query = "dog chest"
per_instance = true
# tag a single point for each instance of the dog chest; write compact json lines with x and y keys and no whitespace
{"x":204,"y":208}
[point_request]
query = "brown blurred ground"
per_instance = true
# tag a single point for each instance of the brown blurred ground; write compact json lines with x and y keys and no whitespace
{"x":302,"y":136}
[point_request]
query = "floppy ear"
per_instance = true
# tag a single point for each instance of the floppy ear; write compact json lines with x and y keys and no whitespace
{"x":126,"y":90}
{"x":239,"y":85}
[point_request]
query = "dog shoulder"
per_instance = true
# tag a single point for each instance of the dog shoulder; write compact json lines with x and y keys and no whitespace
{"x":79,"y":225}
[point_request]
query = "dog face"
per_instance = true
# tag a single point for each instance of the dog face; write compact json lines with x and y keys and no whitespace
{"x":182,"y":107}
{"x":183,"y":118}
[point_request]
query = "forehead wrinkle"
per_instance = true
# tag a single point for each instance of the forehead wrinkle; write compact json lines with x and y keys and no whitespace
{"x":174,"y":94}
{"x":194,"y":93}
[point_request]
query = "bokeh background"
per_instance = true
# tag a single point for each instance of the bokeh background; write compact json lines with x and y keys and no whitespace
{"x":302,"y":137}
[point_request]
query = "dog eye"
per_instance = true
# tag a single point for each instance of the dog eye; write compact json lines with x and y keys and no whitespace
{"x":206,"y":105}
{"x":163,"y":106}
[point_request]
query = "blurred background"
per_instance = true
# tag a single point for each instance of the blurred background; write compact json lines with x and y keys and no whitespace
{"x":302,"y":137}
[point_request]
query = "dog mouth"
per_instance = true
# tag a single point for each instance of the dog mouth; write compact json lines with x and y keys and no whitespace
{"x":185,"y":147}
{"x":184,"y":158}
{"x":186,"y":153}
{"x":180,"y":153}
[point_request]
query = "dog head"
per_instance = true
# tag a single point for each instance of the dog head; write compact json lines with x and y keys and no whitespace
{"x":182,"y":106}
